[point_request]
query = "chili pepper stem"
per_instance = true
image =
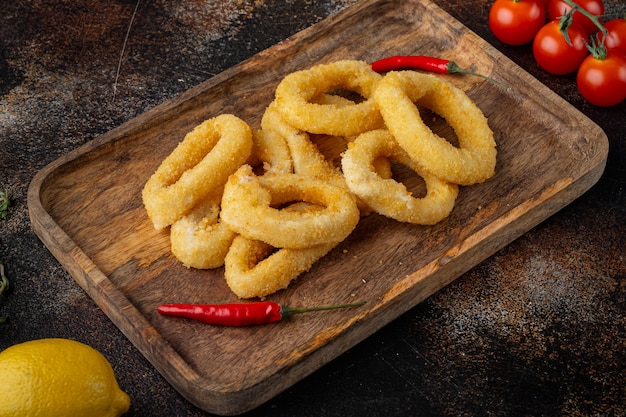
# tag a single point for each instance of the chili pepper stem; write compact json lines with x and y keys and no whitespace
{"x":286,"y":311}
{"x":454,"y":68}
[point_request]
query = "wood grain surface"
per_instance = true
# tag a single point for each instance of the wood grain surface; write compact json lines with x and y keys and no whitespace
{"x":86,"y":207}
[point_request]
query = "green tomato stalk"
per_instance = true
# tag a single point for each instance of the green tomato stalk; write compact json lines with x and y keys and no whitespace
{"x":597,"y":49}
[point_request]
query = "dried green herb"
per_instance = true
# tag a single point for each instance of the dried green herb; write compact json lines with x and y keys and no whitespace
{"x":5,"y":202}
{"x":4,"y":286}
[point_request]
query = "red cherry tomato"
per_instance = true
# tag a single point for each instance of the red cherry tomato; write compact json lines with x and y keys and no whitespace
{"x":554,"y":54}
{"x":603,"y":81}
{"x":558,"y":8}
{"x":515,"y":22}
{"x":616,"y":37}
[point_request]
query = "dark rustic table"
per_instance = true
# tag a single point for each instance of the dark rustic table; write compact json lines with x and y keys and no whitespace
{"x":537,"y":329}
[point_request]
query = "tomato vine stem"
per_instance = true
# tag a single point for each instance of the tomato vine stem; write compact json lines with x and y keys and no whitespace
{"x":566,"y":21}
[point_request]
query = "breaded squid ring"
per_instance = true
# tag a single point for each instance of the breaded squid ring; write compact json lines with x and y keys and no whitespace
{"x":199,"y":164}
{"x":473,"y":161}
{"x":306,"y":157}
{"x":198,"y":239}
{"x":251,"y":207}
{"x":296,"y":93}
{"x":253,"y":268}
{"x":270,"y":150}
{"x":387,"y":196}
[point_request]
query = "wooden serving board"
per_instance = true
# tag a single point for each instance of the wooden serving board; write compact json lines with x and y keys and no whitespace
{"x":87,"y":209}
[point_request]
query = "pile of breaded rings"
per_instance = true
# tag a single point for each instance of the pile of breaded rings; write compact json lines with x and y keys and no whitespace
{"x":267,"y":204}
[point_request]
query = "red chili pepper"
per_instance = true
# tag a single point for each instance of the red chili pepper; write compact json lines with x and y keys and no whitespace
{"x":421,"y":62}
{"x":424,"y":63}
{"x":240,"y":314}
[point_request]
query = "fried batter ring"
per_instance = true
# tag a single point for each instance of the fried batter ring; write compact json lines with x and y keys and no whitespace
{"x":200,"y":164}
{"x":250,"y":207}
{"x":270,"y":150}
{"x":297,"y":92}
{"x":198,"y":239}
{"x":253,"y":268}
{"x":306,"y":157}
{"x":473,"y":162}
{"x":387,"y":196}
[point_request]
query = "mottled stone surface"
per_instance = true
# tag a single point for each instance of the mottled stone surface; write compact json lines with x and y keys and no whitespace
{"x":539,"y":329}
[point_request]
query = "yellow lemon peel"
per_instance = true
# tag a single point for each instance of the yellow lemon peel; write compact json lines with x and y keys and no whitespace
{"x":59,"y":377}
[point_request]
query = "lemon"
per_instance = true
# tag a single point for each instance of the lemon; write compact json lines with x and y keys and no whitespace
{"x":58,"y":377}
